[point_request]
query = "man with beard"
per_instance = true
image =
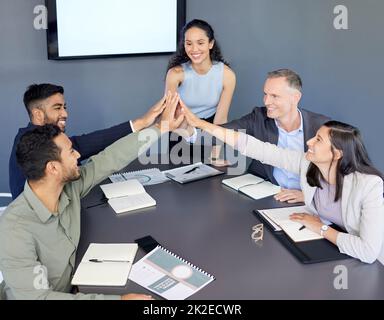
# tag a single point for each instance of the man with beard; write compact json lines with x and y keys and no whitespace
{"x":45,"y":104}
{"x":40,"y":230}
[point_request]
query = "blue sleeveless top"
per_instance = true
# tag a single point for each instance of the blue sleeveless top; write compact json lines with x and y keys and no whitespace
{"x":201,"y":92}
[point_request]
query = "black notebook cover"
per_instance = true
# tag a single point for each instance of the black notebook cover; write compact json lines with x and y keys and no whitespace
{"x":313,"y":251}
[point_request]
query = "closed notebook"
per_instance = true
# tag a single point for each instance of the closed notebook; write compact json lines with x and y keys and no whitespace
{"x":127,"y":196}
{"x":281,"y":221}
{"x":253,"y":186}
{"x":105,"y":264}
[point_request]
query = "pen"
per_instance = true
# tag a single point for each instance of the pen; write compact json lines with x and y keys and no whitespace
{"x":106,"y":260}
{"x":301,"y":228}
{"x":189,"y":171}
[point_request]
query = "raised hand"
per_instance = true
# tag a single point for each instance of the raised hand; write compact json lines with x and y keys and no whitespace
{"x":191,"y":118}
{"x":151,"y":115}
{"x":169,"y":121}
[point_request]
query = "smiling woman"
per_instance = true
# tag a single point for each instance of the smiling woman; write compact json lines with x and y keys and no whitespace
{"x":200,"y":74}
{"x":339,"y":182}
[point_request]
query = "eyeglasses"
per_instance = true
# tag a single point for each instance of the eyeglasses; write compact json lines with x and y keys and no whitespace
{"x":257,"y":232}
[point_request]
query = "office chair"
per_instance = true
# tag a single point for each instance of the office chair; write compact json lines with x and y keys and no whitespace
{"x":5,"y":198}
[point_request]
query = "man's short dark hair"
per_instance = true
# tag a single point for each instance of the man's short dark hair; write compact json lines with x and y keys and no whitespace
{"x":292,"y":78}
{"x":36,"y":148}
{"x":37,"y":92}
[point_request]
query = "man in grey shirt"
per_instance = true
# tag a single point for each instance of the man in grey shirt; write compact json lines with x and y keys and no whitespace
{"x":40,"y":230}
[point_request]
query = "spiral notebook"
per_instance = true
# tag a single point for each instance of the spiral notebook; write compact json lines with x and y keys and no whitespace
{"x":146,"y":177}
{"x":168,"y":275}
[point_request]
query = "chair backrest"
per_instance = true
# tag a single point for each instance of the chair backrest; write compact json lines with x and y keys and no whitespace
{"x":8,"y":197}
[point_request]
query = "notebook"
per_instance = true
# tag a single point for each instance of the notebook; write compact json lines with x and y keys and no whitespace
{"x":169,"y":276}
{"x":146,"y":177}
{"x":279,"y":219}
{"x":105,"y":264}
{"x":127,"y":196}
{"x":253,"y":186}
{"x":192,"y":172}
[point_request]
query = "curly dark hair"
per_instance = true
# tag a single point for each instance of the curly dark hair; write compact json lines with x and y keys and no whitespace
{"x":35,"y":149}
{"x":181,"y":57}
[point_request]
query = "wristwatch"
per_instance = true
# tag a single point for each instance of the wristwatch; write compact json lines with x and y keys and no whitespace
{"x":323,"y":228}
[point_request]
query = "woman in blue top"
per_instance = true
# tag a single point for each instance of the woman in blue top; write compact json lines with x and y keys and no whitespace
{"x":199,"y":73}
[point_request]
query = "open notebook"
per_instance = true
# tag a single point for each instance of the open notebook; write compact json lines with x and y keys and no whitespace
{"x":168,"y":275}
{"x":127,"y":196}
{"x":105,"y":264}
{"x":279,"y":220}
{"x":253,"y":186}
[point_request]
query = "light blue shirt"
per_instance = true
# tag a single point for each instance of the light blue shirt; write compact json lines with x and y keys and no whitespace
{"x":202,"y":92}
{"x":293,"y":140}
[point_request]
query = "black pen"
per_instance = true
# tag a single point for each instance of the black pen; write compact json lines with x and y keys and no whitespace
{"x":302,"y":227}
{"x":189,"y":171}
{"x":106,"y":260}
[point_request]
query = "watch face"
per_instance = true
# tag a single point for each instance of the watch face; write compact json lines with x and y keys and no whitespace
{"x":324,"y":227}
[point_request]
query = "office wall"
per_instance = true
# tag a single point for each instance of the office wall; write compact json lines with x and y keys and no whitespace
{"x":341,"y":69}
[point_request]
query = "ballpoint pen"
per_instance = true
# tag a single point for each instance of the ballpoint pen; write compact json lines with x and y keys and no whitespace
{"x":189,"y":171}
{"x":107,"y":260}
{"x":302,"y":227}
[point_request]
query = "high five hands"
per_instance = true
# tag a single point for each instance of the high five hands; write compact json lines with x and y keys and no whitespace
{"x":169,"y":119}
{"x":176,"y":116}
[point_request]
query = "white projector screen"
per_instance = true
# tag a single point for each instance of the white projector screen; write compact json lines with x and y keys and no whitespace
{"x":102,"y":28}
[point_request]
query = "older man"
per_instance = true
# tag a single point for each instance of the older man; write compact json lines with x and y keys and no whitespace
{"x":283,"y":123}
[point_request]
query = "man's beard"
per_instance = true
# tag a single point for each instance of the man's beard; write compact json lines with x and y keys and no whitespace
{"x":56,"y":123}
{"x":72,"y":177}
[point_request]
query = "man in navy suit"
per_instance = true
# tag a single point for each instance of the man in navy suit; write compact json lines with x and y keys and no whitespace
{"x":45,"y":104}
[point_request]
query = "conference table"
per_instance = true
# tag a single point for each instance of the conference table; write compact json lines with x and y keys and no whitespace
{"x":210,"y":225}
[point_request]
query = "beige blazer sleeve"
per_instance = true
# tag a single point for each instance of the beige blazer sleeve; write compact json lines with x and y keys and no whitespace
{"x":364,"y":218}
{"x":271,"y":154}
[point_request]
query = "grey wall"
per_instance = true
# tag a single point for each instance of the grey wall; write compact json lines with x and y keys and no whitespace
{"x":342,"y":70}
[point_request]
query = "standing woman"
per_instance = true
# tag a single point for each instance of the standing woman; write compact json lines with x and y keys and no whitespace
{"x":199,"y":73}
{"x":339,"y":183}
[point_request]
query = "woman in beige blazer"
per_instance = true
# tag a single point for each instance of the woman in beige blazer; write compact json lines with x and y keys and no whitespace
{"x":339,"y":183}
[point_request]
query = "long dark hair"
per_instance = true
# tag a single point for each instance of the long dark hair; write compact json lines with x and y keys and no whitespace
{"x":347,"y":139}
{"x":180,"y":56}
